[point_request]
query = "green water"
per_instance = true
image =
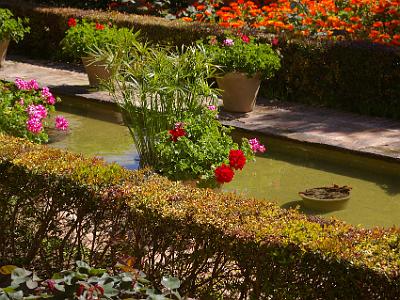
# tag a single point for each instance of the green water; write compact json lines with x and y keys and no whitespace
{"x":285,"y":169}
{"x":95,"y":129}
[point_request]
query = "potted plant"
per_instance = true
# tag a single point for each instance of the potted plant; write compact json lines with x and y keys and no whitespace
{"x":83,"y":41}
{"x":243,"y":63}
{"x":199,"y":150}
{"x":11,"y":28}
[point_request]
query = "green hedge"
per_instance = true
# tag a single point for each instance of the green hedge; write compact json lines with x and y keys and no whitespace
{"x":57,"y":207}
{"x":356,"y":76}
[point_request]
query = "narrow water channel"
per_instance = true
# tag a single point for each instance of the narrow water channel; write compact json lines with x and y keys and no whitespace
{"x":284,"y":170}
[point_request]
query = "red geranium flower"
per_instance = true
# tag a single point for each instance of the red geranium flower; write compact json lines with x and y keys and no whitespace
{"x":177,"y":133}
{"x":223,"y":174}
{"x":237,"y":160}
{"x":71,"y":22}
{"x":245,"y":38}
{"x":99,"y":26}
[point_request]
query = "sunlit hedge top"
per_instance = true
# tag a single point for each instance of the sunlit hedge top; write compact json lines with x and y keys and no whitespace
{"x":246,"y":220}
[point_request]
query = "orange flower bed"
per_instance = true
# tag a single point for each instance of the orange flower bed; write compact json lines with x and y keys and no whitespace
{"x":376,"y":20}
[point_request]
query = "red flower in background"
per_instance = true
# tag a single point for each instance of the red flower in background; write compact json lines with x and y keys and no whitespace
{"x":224,"y":174}
{"x":71,"y":22}
{"x":275,"y":42}
{"x":245,"y":39}
{"x":99,"y":26}
{"x":237,"y":160}
{"x":177,"y":133}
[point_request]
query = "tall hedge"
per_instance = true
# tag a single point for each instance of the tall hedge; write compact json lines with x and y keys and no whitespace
{"x":57,"y":207}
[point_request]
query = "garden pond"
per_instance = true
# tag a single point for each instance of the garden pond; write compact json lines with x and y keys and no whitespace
{"x":278,"y":175}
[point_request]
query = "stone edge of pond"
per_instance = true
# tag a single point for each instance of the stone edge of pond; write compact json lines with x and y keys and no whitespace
{"x":229,"y":119}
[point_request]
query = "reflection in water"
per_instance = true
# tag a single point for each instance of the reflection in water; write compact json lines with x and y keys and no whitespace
{"x":286,"y":168}
{"x":95,"y":129}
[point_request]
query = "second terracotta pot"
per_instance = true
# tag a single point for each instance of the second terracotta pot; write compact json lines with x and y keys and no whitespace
{"x":96,"y":70}
{"x":239,"y":91}
{"x":3,"y":50}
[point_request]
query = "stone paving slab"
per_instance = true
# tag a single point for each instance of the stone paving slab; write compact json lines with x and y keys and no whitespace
{"x":364,"y":134}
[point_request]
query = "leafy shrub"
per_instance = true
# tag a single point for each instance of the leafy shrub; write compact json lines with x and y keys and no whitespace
{"x":197,"y":147}
{"x":84,"y":38}
{"x":12,"y":28}
{"x":58,"y":207}
{"x":243,"y":54}
{"x":25,"y":110}
{"x":155,"y":86}
{"x":85,"y":283}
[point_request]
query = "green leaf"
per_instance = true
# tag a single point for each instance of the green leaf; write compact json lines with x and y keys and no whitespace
{"x":20,"y":273}
{"x":171,"y":283}
{"x":82,"y":264}
{"x":31,"y":284}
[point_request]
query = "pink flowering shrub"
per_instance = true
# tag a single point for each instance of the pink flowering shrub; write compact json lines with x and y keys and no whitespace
{"x":25,"y":109}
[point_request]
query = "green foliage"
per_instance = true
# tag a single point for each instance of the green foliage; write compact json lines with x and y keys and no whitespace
{"x":11,"y":27}
{"x":13,"y":112}
{"x":57,"y":207}
{"x":196,"y":155}
{"x":155,"y":86}
{"x":243,"y":54}
{"x":87,"y":37}
{"x":85,"y":282}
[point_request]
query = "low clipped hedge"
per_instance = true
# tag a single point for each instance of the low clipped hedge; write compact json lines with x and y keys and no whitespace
{"x":356,"y":76}
{"x":57,"y":207}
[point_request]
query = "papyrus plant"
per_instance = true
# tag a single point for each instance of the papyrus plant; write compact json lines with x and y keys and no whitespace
{"x":155,"y":86}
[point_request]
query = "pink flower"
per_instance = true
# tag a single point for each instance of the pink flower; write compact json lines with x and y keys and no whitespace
{"x":275,"y":42}
{"x":46,"y":94}
{"x":34,"y":125}
{"x":212,"y":107}
{"x":228,"y":42}
{"x":37,"y":111}
{"x":51,"y":100}
{"x":33,"y":84}
{"x":21,"y":102}
{"x":61,"y":123}
{"x":256,"y":146}
{"x":26,"y":85}
{"x":178,"y":125}
{"x":245,"y":39}
{"x":21,"y":84}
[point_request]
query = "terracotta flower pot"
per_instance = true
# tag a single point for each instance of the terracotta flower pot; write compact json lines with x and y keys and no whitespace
{"x":239,"y":91}
{"x":3,"y":50}
{"x":96,"y":71}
